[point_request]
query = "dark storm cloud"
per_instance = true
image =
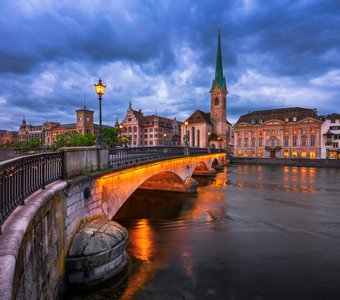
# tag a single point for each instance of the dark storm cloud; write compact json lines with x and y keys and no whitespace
{"x":162,"y":53}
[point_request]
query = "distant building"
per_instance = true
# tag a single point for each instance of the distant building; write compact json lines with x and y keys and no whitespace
{"x":150,"y":130}
{"x":330,"y":137}
{"x":8,"y":137}
{"x":287,"y":132}
{"x":50,"y":131}
{"x":211,"y":129}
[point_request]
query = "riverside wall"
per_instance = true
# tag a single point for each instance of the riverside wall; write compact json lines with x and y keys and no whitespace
{"x":299,"y":162}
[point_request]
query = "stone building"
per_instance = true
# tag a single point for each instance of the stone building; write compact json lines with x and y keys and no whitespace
{"x":211,"y":129}
{"x":288,"y":132}
{"x":49,"y":131}
{"x":330,"y":137}
{"x":150,"y":130}
{"x":8,"y":137}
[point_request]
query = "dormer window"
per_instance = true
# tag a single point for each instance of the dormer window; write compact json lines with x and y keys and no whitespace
{"x":253,"y":121}
{"x":260,"y":121}
{"x":286,"y":120}
{"x":294,"y":119}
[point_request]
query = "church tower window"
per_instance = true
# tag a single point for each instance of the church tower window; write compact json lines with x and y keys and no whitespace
{"x":216,"y":101}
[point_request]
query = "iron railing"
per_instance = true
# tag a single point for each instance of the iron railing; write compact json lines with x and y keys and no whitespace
{"x":22,"y":176}
{"x":129,"y":156}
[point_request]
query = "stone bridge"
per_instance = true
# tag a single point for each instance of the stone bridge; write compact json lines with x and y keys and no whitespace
{"x":36,"y":238}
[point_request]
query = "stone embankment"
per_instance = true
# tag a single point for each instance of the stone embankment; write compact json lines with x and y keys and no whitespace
{"x":299,"y":162}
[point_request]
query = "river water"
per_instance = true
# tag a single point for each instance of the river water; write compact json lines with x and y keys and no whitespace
{"x":252,"y":232}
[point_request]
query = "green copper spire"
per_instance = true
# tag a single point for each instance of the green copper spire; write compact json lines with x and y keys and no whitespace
{"x":219,"y":68}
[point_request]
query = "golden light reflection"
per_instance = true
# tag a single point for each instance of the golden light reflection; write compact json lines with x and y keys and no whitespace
{"x":142,"y":238}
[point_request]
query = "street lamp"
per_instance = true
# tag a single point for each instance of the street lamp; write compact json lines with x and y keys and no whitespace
{"x":186,"y":133}
{"x":120,"y":134}
{"x":100,"y":90}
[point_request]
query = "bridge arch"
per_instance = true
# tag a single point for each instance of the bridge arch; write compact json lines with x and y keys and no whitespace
{"x":114,"y":188}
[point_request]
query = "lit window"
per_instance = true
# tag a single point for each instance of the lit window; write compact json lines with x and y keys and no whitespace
{"x":312,"y":154}
{"x":286,"y":120}
{"x":260,"y":153}
{"x":303,"y":153}
{"x":332,"y":154}
{"x":294,"y":153}
{"x":294,"y":119}
{"x":286,"y":153}
{"x":312,"y":130}
{"x":294,"y":130}
{"x":273,"y":131}
{"x":253,"y":153}
{"x":246,"y":153}
{"x":239,"y":153}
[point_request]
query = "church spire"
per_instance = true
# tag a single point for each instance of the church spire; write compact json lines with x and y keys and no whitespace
{"x":219,"y":67}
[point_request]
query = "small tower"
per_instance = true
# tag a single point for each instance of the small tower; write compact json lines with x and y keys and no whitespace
{"x":218,"y":97}
{"x":84,"y":122}
{"x":117,"y":123}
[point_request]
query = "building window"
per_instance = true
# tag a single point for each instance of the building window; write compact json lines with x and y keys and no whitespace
{"x":294,"y":141}
{"x":239,"y":142}
{"x":260,"y":154}
{"x":286,"y":142}
{"x":333,"y":121}
{"x":193,"y":136}
{"x":216,"y":101}
{"x":253,"y":121}
{"x":151,"y":130}
{"x":286,"y":153}
{"x":260,"y":121}
{"x":312,"y":142}
{"x":246,"y":142}
{"x":332,"y":154}
{"x":294,"y":119}
{"x":303,"y":142}
{"x":312,"y":130}
{"x":294,"y":153}
{"x":134,"y":128}
{"x":273,"y":131}
{"x":129,"y":119}
{"x":253,"y":153}
{"x":145,"y":136}
{"x":239,"y":153}
{"x":295,"y":131}
{"x":303,"y":153}
{"x":312,"y":154}
{"x":260,"y":142}
{"x":151,"y":136}
{"x":286,"y":131}
{"x":286,"y":120}
{"x":198,"y":138}
{"x":130,"y":129}
{"x":253,"y":142}
{"x":246,"y":153}
{"x":151,"y":142}
{"x":135,"y":142}
{"x":260,"y":133}
{"x":272,"y":142}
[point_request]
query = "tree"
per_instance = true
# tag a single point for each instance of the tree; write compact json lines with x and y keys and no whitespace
{"x":111,"y":137}
{"x":74,"y":139}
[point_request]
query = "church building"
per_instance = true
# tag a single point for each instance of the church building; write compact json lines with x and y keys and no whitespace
{"x":212,"y":129}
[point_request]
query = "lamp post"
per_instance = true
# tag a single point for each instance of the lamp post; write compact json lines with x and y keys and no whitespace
{"x":100,"y":90}
{"x":120,"y":134}
{"x":186,"y":134}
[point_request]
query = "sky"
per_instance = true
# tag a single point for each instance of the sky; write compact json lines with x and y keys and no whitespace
{"x":161,"y":56}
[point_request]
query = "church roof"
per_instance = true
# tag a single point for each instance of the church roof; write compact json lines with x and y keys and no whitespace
{"x":261,"y":116}
{"x":219,"y":67}
{"x":199,"y":117}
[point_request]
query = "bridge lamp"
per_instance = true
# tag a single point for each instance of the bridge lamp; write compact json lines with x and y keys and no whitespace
{"x":120,"y":134}
{"x":100,"y":90}
{"x":186,"y":133}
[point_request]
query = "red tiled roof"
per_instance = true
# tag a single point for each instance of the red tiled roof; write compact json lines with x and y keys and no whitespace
{"x":333,"y":116}
{"x":199,"y":117}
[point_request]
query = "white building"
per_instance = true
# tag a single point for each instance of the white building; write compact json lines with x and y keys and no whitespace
{"x":330,"y":137}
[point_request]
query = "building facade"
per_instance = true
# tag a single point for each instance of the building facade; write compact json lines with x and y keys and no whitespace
{"x":8,"y":137}
{"x":50,"y":131}
{"x":151,"y":130}
{"x":282,"y":133}
{"x":211,"y":129}
{"x":330,"y":137}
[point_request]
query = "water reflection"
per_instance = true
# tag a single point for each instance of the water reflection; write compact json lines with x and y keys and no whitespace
{"x":252,"y":232}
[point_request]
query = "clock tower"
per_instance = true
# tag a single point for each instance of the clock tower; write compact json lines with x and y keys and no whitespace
{"x":218,"y":97}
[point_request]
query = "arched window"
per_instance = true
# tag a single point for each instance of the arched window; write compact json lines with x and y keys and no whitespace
{"x":216,"y":101}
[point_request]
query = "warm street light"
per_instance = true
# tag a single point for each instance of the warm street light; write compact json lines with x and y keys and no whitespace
{"x":186,"y":133}
{"x":100,"y":90}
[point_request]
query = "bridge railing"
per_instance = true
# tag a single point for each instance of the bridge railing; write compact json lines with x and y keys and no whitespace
{"x":129,"y":156}
{"x":22,"y":176}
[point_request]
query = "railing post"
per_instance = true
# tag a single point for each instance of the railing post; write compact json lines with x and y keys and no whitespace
{"x":43,"y":172}
{"x":22,"y":179}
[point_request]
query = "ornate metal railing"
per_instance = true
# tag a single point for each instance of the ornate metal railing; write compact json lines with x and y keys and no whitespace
{"x":128,"y":156}
{"x":22,"y":176}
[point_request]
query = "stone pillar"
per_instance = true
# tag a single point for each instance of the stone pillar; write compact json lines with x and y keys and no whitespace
{"x":83,"y":160}
{"x":190,"y":185}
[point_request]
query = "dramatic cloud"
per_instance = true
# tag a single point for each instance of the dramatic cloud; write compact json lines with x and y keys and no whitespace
{"x":161,"y":56}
